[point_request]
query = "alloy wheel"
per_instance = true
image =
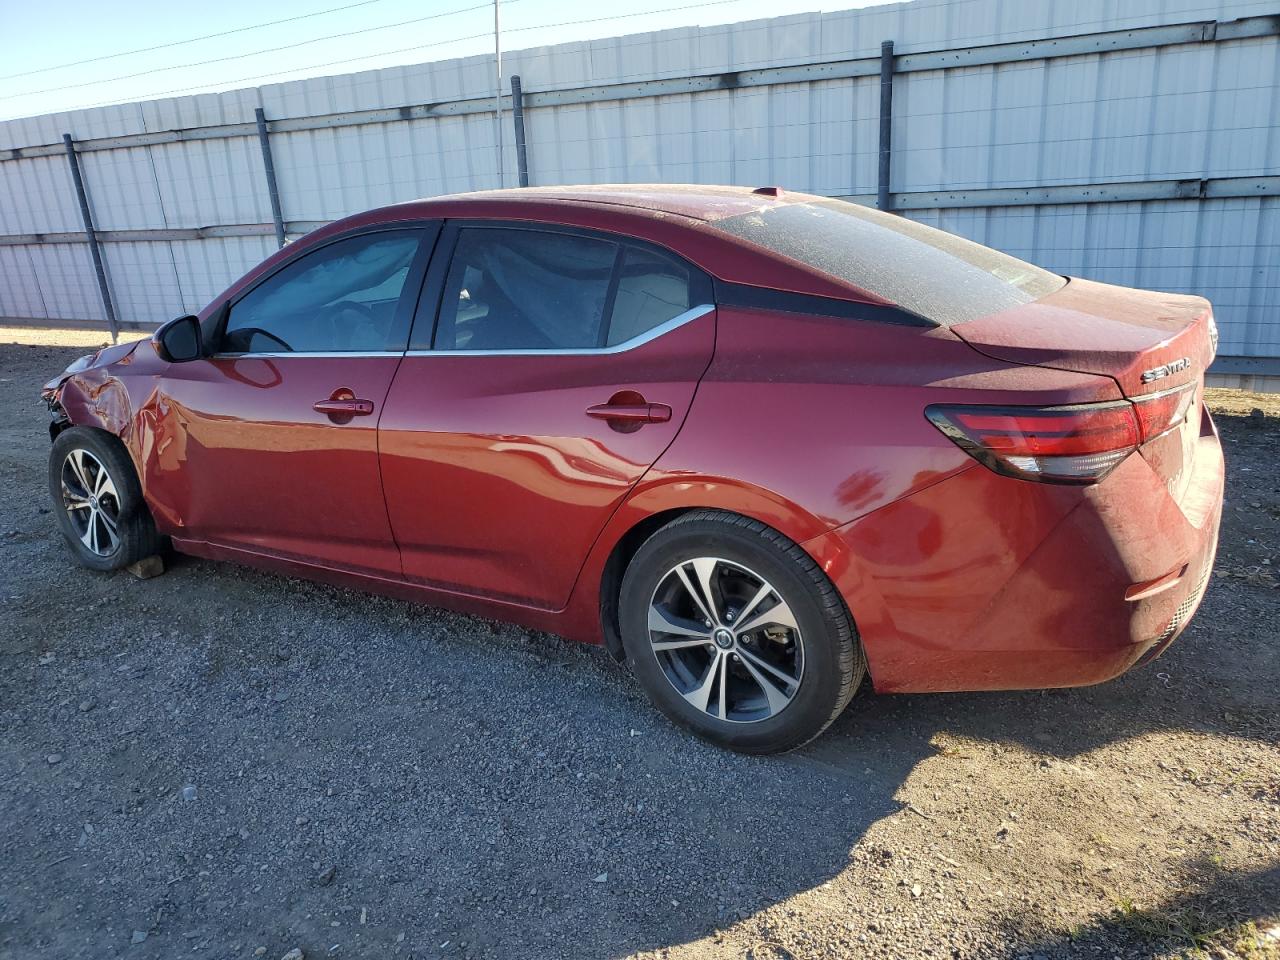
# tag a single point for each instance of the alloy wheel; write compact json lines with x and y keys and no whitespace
{"x":726,"y":639}
{"x":92,"y":503}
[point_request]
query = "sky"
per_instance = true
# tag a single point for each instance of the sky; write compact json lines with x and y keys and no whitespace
{"x":44,"y":48}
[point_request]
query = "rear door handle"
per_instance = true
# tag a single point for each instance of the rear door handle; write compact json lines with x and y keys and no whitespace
{"x":631,"y":413}
{"x":344,"y":408}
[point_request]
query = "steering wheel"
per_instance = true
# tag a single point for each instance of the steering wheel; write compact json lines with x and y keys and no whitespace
{"x":246,"y":334}
{"x":349,"y":333}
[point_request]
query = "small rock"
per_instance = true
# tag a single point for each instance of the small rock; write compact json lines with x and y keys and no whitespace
{"x":294,"y":954}
{"x":54,"y":758}
{"x":602,"y":878}
{"x":915,"y":890}
{"x":189,"y":792}
{"x":260,"y":952}
{"x":138,"y":936}
{"x":87,"y":705}
{"x":326,"y":876}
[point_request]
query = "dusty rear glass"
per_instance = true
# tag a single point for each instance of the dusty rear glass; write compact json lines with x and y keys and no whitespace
{"x":937,"y":275}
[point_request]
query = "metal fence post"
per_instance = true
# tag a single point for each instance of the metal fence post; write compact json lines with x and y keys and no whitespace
{"x":517,"y":115}
{"x":270,"y":167}
{"x":87,"y":218}
{"x":884,"y":199}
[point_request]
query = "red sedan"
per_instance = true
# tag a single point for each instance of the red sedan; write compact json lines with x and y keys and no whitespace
{"x":757,"y":443}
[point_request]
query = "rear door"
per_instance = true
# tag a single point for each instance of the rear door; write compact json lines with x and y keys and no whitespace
{"x":271,"y":443}
{"x":549,"y":368}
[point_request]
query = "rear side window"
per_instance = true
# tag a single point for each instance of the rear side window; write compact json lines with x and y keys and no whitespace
{"x":936,"y":275}
{"x":652,"y":289}
{"x":530,"y":289}
{"x":525,"y":290}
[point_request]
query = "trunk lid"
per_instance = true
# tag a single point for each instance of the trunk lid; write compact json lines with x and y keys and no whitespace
{"x":1145,"y":341}
{"x":1148,"y":343}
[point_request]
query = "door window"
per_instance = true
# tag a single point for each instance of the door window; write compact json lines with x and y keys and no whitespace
{"x":520,"y":289}
{"x":652,"y":289}
{"x":341,"y":298}
{"x":525,"y":290}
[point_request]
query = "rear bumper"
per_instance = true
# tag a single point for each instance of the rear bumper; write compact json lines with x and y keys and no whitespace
{"x":983,"y":582}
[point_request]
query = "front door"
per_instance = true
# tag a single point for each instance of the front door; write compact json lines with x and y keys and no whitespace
{"x":562,"y":365}
{"x":272,"y":441}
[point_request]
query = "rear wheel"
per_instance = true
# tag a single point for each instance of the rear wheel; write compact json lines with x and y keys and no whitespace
{"x":98,"y":501}
{"x":736,"y":633}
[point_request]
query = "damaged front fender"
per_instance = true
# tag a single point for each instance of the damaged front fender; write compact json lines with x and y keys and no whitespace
{"x":104,"y":390}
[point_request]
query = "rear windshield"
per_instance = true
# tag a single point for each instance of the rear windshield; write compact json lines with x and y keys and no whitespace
{"x":937,"y":275}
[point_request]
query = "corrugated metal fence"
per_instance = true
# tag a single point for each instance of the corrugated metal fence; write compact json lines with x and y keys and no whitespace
{"x":1132,"y":143}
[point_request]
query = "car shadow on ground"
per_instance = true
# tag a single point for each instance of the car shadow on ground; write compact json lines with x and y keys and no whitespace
{"x":376,"y":779}
{"x":477,"y":790}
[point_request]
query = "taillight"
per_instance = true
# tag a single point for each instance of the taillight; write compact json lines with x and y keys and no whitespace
{"x":1072,"y":444}
{"x":1158,"y":413}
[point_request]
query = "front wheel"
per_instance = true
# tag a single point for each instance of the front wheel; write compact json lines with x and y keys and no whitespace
{"x":736,"y":634}
{"x":98,"y":501}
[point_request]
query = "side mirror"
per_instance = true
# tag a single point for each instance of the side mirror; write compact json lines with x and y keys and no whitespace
{"x":179,"y":341}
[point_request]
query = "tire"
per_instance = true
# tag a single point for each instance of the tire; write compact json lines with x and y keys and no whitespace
{"x":796,"y":622}
{"x":105,"y":521}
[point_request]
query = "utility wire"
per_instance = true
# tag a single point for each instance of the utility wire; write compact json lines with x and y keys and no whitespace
{"x":424,"y":46}
{"x":619,"y":16}
{"x":179,"y":43}
{"x":252,"y":53}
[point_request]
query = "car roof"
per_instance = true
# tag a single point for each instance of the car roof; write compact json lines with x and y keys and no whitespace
{"x":695,"y":201}
{"x":679,"y":217}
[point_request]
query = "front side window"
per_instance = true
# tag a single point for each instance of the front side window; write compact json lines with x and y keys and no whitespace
{"x":529,"y":289}
{"x":936,"y":275}
{"x":341,"y":298}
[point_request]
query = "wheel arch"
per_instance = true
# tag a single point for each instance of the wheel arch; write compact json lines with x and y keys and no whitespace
{"x":649,"y":509}
{"x":615,"y":565}
{"x":103,"y":404}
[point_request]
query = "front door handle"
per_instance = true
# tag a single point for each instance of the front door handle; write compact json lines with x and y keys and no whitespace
{"x":631,"y":413}
{"x":342,"y":406}
{"x":347,"y":408}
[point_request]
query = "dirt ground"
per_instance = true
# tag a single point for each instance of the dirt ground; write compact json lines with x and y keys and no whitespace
{"x":221,"y":763}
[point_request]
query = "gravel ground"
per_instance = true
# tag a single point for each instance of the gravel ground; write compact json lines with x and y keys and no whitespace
{"x":222,"y":763}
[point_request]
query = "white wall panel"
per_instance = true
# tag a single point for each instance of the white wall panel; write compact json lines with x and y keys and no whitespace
{"x":144,"y":282}
{"x":207,"y":182}
{"x":20,"y":294}
{"x":1183,"y":112}
{"x":38,"y":196}
{"x":66,"y":280}
{"x":207,"y":267}
{"x":122,"y":189}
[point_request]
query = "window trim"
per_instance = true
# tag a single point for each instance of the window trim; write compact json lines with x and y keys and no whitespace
{"x":653,"y":333}
{"x":428,"y":232}
{"x":430,"y":301}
